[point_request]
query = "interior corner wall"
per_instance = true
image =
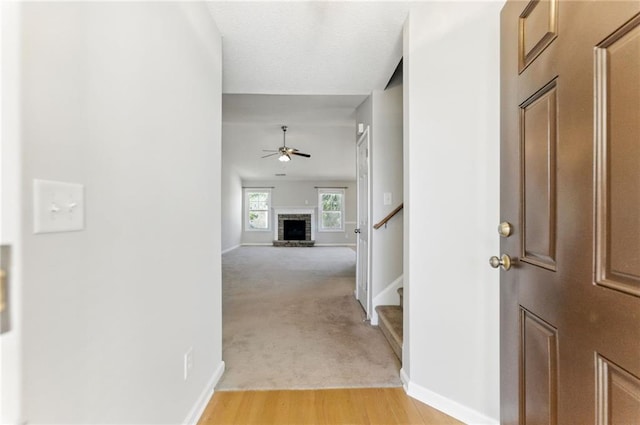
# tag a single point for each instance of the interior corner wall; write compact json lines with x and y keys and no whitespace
{"x":124,"y":98}
{"x":452,"y":85}
{"x":231,"y":209}
{"x":407,"y":327}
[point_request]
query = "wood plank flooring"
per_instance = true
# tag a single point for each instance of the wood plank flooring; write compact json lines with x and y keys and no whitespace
{"x":357,"y":406}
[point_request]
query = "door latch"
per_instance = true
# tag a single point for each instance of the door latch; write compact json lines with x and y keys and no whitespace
{"x":3,"y":284}
{"x":5,"y":276}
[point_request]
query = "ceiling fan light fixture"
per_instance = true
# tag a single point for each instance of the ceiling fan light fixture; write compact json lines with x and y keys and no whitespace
{"x":284,"y":152}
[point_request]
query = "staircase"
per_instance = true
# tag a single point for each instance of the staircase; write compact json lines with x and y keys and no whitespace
{"x":390,"y":323}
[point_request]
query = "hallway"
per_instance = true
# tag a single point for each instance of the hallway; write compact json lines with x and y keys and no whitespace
{"x":123,"y":101}
{"x":291,"y":321}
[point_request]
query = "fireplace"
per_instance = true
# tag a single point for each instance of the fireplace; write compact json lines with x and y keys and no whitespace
{"x":293,"y":230}
{"x":287,"y":218}
{"x":294,"y":227}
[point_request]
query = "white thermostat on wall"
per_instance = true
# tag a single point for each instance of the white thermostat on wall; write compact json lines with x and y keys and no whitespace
{"x":57,"y":206}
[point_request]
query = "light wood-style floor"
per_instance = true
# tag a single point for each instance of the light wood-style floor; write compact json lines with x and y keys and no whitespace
{"x":384,"y":406}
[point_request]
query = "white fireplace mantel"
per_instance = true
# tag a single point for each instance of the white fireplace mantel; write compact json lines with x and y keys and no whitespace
{"x":294,"y":210}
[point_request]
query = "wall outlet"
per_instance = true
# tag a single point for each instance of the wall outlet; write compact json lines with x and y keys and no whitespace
{"x":188,"y":363}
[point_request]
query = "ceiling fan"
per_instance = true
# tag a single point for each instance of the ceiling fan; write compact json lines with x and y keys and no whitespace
{"x":284,"y":151}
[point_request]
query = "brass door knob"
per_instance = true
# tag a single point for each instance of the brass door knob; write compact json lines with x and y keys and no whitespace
{"x":505,"y":229}
{"x":504,"y":261}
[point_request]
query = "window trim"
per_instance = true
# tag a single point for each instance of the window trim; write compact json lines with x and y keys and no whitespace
{"x":322,"y":191}
{"x":247,"y":227}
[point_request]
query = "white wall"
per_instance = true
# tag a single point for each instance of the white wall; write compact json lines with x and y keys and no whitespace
{"x":451,"y":79}
{"x":303,"y":194}
{"x":387,"y":167}
{"x":231,"y":208}
{"x":382,"y":111}
{"x":124,"y":98}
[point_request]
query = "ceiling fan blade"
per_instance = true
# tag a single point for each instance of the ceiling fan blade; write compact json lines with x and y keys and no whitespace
{"x":284,"y":151}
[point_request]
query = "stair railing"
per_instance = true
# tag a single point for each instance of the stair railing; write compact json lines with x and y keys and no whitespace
{"x":384,"y":221}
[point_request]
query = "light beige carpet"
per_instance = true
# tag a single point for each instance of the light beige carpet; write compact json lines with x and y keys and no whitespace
{"x":291,"y":321}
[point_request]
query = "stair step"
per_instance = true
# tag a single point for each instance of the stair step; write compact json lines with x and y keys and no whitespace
{"x":390,"y":323}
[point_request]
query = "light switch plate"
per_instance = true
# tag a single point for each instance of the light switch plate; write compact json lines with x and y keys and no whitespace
{"x":387,"y":198}
{"x":57,"y":206}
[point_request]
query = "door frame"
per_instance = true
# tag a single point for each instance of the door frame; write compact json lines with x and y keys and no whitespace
{"x":10,"y":217}
{"x":364,"y":138}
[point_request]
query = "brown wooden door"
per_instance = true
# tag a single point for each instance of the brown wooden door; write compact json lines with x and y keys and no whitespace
{"x":570,"y":187}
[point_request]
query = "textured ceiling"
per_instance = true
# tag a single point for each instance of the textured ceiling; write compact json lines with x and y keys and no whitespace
{"x":309,"y":47}
{"x":308,"y":65}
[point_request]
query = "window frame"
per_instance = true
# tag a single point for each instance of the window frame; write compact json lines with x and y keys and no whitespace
{"x":246,"y":210}
{"x":323,"y":191}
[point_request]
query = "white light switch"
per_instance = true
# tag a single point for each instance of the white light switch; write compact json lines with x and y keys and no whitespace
{"x":387,"y":198}
{"x":57,"y":206}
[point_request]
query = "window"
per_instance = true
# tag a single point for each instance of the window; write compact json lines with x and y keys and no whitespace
{"x":257,"y":206}
{"x":331,"y":210}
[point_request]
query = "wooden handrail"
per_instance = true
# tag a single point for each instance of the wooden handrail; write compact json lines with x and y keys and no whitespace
{"x":388,"y":217}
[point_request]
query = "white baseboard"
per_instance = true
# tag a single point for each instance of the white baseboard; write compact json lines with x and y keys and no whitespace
{"x":257,"y":244}
{"x":198,"y":408}
{"x":452,"y":408}
{"x":405,"y":380}
{"x":230,"y":249}
{"x":335,"y":244}
{"x":388,"y":296}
